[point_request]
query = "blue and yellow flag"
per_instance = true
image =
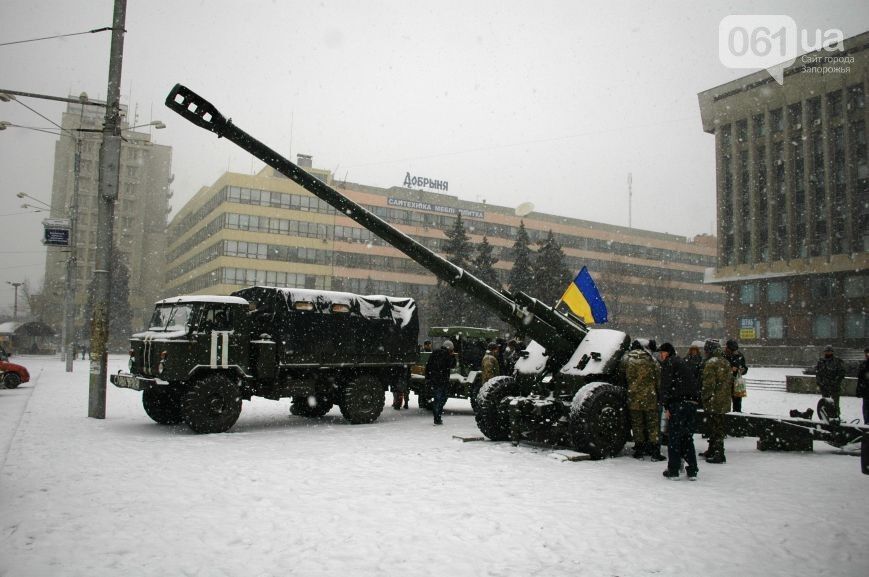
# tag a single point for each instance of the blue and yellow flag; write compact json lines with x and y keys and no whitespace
{"x":584,"y":300}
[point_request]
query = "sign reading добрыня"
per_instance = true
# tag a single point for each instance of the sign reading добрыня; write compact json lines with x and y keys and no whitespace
{"x":415,"y":204}
{"x":425,"y":182}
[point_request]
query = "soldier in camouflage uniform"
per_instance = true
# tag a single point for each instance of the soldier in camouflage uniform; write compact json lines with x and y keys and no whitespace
{"x":643,"y":375}
{"x":716,"y":395}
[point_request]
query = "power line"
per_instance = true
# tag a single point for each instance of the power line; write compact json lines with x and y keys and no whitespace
{"x":95,"y":30}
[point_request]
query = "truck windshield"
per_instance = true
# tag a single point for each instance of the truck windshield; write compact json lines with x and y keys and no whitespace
{"x":173,"y":317}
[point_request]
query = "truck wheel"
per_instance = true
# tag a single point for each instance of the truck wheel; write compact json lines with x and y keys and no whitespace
{"x":363,"y":400}
{"x":211,"y":404}
{"x":310,"y":406}
{"x":163,"y":404}
{"x":490,"y":420}
{"x":11,"y":380}
{"x":599,"y":420}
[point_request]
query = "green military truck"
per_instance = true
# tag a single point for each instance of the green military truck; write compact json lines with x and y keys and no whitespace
{"x":470,"y":346}
{"x":202,"y":355}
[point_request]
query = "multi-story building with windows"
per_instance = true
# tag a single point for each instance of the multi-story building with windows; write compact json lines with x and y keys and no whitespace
{"x":265,"y":229}
{"x":141,"y":213}
{"x":793,"y":199}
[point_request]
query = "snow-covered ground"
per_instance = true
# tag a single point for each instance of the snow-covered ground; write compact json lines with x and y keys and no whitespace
{"x":282,"y":495}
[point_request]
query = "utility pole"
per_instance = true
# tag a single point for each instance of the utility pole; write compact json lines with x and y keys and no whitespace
{"x":69,"y":297}
{"x":15,"y":285}
{"x":110,"y":163}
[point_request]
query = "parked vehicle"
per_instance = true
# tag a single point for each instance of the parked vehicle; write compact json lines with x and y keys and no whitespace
{"x":202,"y":355}
{"x":12,"y":374}
{"x":470,"y":346}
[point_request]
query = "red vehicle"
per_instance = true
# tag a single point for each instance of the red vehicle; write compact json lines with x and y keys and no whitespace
{"x":11,"y":374}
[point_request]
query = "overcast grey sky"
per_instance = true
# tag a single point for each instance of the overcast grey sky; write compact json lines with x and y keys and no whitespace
{"x":552,"y":102}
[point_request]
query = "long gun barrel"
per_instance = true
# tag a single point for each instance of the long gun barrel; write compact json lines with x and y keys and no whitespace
{"x":560,"y":334}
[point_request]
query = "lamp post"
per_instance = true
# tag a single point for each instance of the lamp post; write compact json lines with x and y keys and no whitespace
{"x":15,"y":285}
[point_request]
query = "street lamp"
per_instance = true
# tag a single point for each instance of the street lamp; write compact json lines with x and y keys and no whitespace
{"x":15,"y":285}
{"x":33,"y":198}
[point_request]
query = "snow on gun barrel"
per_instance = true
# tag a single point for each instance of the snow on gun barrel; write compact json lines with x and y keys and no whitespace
{"x":202,"y":355}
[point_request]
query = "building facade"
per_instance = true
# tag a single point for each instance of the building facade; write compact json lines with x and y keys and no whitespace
{"x":265,"y":229}
{"x":141,"y":213}
{"x":793,"y":200}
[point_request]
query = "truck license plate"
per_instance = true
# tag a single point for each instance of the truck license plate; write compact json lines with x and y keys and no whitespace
{"x":126,"y":382}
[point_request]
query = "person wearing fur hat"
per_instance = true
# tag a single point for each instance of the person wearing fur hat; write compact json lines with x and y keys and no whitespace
{"x":437,"y":373}
{"x":681,"y":395}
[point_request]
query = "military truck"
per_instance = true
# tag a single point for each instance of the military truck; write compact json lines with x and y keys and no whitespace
{"x":202,"y":355}
{"x":567,"y":389}
{"x":470,"y":346}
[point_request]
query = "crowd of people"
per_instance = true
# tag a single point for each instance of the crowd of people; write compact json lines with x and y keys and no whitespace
{"x":665,"y":391}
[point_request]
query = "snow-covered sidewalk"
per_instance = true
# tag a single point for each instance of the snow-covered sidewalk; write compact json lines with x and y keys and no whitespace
{"x":281,"y":495}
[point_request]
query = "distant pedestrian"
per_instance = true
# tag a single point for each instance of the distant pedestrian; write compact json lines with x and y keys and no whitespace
{"x":738,"y":367}
{"x":437,"y":374}
{"x":863,"y":385}
{"x":681,"y":395}
{"x":400,"y":393}
{"x":84,"y":352}
{"x":694,"y":359}
{"x":716,"y":397}
{"x":509,"y":358}
{"x":490,"y":366}
{"x":829,"y":374}
{"x":643,"y":376}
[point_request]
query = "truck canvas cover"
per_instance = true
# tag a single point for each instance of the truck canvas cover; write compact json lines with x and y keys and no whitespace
{"x":318,"y":326}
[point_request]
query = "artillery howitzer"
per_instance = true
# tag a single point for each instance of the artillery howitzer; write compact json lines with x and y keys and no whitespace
{"x":567,"y":389}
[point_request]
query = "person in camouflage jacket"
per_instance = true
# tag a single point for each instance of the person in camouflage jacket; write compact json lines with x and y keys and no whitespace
{"x":716,"y":396}
{"x":643,"y":375}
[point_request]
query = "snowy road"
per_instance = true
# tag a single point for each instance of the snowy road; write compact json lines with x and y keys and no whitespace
{"x":281,"y":495}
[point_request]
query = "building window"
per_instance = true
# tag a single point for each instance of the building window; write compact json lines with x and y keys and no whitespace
{"x":834,"y":104}
{"x":814,"y":111}
{"x":748,"y":294}
{"x":795,"y":116}
{"x":856,"y":100}
{"x":855,"y":325}
{"x":823,"y":327}
{"x":742,"y":130}
{"x":775,"y":328}
{"x":777,"y":291}
{"x":759,"y":126}
{"x":821,"y":288}
{"x":776,"y":120}
{"x":855,"y":286}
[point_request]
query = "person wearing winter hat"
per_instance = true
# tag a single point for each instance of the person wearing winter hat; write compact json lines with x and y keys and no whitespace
{"x":437,"y":374}
{"x":829,"y":374}
{"x":681,"y":396}
{"x":716,"y":391}
{"x":738,"y":368}
{"x":643,"y":375}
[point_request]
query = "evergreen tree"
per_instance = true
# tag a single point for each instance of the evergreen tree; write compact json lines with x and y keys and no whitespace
{"x":521,"y":276}
{"x":483,"y":268}
{"x":451,"y":306}
{"x":550,"y":272}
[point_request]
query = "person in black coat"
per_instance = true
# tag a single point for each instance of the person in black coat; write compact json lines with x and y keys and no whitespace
{"x":437,"y":373}
{"x":738,"y":367}
{"x":863,"y":384}
{"x":680,"y":393}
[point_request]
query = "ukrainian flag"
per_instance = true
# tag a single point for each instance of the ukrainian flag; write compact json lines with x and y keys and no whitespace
{"x":584,"y":300}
